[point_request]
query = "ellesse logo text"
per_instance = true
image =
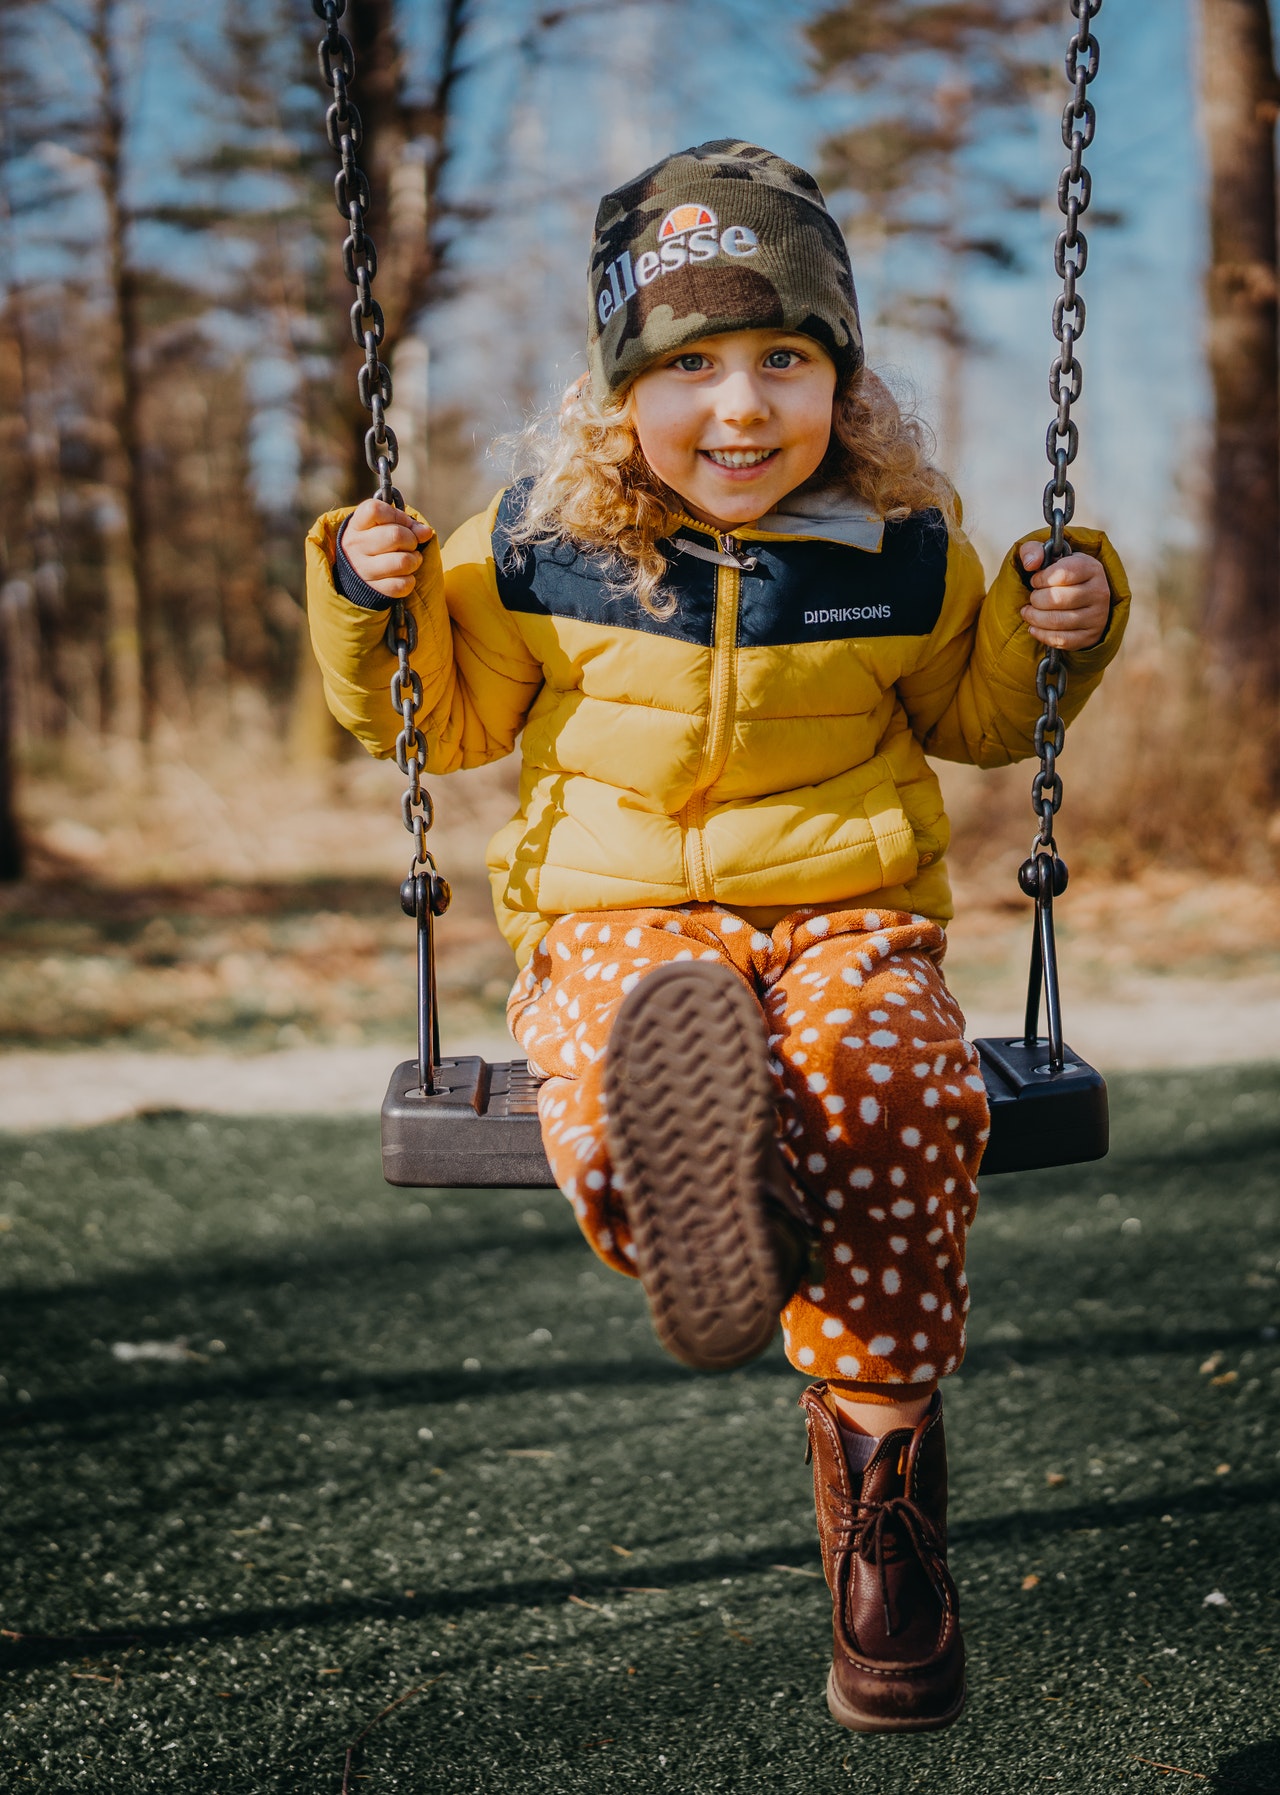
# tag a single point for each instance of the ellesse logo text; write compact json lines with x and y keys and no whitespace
{"x":688,"y":233}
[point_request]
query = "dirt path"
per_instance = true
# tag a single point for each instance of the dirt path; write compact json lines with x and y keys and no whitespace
{"x":1146,"y":1024}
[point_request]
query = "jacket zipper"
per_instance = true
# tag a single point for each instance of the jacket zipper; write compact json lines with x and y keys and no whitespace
{"x":715,"y":747}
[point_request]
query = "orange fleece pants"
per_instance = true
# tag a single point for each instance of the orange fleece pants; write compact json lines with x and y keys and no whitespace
{"x":882,"y":1112}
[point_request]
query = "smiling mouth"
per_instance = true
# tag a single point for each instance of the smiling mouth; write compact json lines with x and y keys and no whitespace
{"x":739,"y":457}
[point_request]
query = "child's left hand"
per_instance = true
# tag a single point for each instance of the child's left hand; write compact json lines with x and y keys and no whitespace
{"x":1072,"y":601}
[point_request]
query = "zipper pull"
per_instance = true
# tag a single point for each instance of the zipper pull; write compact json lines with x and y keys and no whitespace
{"x":731,"y":546}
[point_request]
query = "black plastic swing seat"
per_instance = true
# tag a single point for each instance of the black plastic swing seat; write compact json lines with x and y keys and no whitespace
{"x":480,"y":1130}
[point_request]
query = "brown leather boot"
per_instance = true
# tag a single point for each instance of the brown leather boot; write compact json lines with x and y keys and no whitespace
{"x":718,"y":1226}
{"x":898,"y":1660}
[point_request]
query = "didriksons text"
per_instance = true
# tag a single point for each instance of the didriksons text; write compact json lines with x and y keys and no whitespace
{"x":850,"y":614}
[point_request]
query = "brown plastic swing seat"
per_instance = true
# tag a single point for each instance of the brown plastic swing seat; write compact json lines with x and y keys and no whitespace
{"x":480,"y":1129}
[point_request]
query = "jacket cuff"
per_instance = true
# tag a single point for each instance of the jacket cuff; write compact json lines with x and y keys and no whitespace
{"x":349,"y":583}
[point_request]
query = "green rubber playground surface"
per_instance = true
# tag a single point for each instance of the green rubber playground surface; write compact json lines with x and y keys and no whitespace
{"x":281,"y":1445}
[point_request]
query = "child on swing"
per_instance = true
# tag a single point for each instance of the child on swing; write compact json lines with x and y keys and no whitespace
{"x":728,"y":618}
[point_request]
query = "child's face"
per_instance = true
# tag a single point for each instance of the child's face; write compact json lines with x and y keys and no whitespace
{"x":760,"y":395}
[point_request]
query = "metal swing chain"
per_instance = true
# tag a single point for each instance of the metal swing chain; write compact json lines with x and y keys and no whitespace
{"x":1044,"y":875}
{"x":425,"y":893}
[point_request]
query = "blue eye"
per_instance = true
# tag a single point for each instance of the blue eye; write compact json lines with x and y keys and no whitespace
{"x":690,"y":364}
{"x":782,"y":358}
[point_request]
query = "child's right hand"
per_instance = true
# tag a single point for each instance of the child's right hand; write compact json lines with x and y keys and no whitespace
{"x":384,"y":546}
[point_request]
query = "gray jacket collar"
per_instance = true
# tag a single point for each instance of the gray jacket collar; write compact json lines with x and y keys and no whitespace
{"x":828,"y":516}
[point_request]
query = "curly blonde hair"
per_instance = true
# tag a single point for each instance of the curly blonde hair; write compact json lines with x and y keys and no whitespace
{"x":592,"y":486}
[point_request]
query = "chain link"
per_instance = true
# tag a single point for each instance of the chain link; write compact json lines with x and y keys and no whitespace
{"x":1066,"y":382}
{"x":345,"y":132}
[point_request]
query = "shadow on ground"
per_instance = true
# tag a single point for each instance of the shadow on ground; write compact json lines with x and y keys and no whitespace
{"x":281,"y":1445}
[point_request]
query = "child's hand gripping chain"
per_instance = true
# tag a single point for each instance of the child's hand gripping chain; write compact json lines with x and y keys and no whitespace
{"x":384,"y":546}
{"x":1071,"y":605}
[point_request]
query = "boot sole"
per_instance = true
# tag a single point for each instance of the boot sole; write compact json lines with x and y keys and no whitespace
{"x":691,"y":1125}
{"x":858,"y":1720}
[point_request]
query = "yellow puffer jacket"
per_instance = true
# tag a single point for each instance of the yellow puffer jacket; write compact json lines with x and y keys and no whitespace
{"x":763,"y":747}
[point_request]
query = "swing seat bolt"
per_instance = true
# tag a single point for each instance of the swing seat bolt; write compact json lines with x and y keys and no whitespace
{"x":409,"y":896}
{"x":441,"y":894}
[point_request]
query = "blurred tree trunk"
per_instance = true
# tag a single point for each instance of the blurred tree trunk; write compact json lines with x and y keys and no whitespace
{"x":406,"y":146}
{"x":1240,"y":94}
{"x":404,"y":151}
{"x":11,"y":857}
{"x":123,"y":559}
{"x":17,"y":590}
{"x":316,"y":738}
{"x":14,"y":594}
{"x":15,"y":458}
{"x":942,"y":77}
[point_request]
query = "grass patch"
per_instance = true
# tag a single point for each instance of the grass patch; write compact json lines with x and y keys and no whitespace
{"x":405,"y":1439}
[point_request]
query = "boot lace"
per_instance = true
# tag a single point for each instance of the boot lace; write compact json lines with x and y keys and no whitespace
{"x":872,"y":1530}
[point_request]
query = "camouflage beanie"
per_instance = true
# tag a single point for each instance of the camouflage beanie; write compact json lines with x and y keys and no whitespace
{"x":722,"y":237}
